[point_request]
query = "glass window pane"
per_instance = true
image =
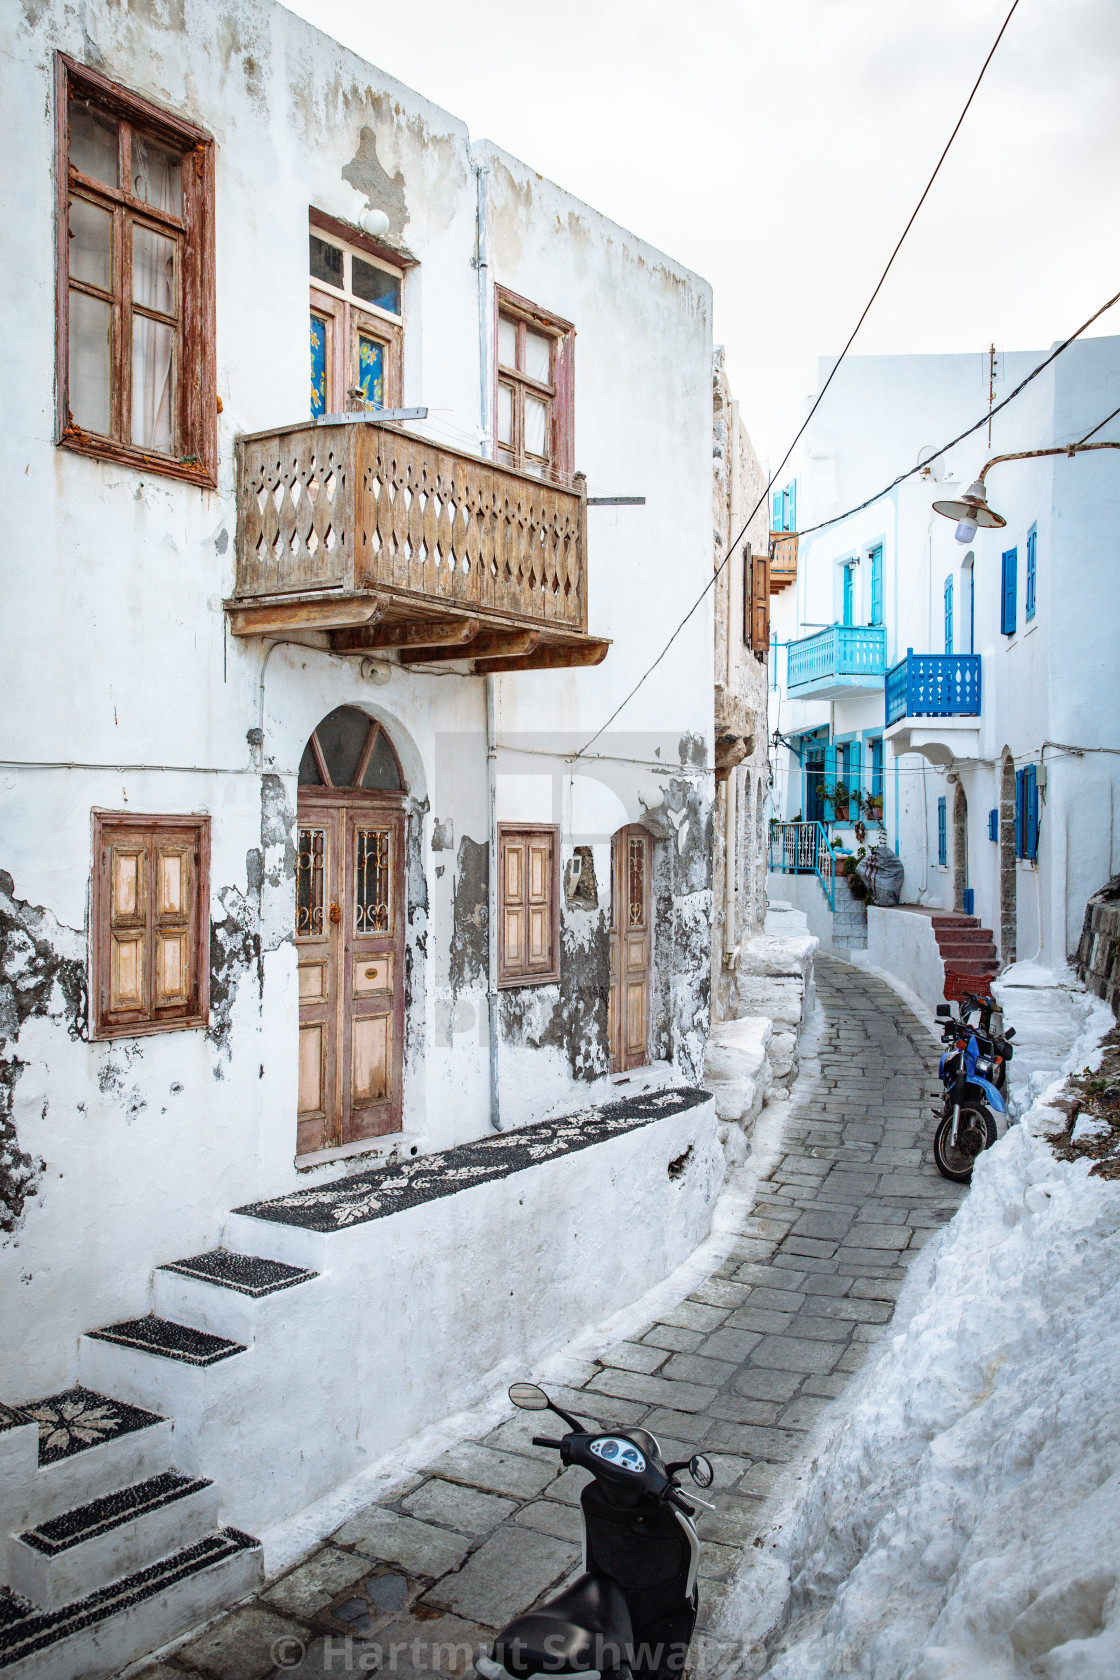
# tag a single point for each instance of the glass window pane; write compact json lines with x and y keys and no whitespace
{"x":375,"y":285}
{"x":311,"y":868}
{"x":157,"y":175}
{"x":371,"y":370}
{"x":505,"y":414}
{"x":153,"y":270}
{"x":326,"y":261}
{"x":153,"y":384}
{"x":536,"y":426}
{"x":308,"y":769}
{"x":372,"y":875}
{"x":319,"y":340}
{"x":341,"y":737}
{"x":93,"y":141}
{"x":507,"y":341}
{"x":91,"y":330}
{"x":382,"y":775}
{"x":538,"y":357}
{"x":91,"y":244}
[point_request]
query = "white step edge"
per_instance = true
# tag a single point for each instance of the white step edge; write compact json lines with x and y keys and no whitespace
{"x":221,"y":1310}
{"x":88,"y":1474}
{"x":55,"y":1579}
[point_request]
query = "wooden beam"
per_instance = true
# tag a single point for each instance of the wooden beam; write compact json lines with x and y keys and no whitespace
{"x":416,"y":633}
{"x":267,"y":617}
{"x":494,"y":645}
{"x":554,"y":656}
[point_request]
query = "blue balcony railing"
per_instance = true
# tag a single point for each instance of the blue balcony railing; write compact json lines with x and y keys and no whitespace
{"x":801,"y":848}
{"x":854,"y":653}
{"x":933,"y":685}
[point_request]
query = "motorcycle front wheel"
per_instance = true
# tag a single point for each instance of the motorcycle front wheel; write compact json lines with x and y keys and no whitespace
{"x":976,"y":1131}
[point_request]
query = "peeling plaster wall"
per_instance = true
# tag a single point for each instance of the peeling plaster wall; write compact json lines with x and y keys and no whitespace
{"x":127,"y":692}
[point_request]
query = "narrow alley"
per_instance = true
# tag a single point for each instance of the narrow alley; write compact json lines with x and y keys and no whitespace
{"x":743,"y":1369}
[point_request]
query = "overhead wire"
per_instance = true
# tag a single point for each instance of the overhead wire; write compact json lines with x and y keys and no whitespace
{"x":819,"y":397}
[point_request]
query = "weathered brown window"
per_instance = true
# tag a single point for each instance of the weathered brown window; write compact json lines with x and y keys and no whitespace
{"x":528,"y":904}
{"x":135,"y":280}
{"x":756,"y":602}
{"x":533,"y":404}
{"x":149,"y":924}
{"x":356,"y":337}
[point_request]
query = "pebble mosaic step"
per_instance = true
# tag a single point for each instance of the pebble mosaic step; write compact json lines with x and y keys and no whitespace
{"x":248,"y":1274}
{"x":168,"y":1340}
{"x":386,"y":1190}
{"x":79,"y":1418}
{"x":85,"y":1522}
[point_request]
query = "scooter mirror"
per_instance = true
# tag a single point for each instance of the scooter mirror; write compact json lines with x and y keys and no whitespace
{"x":943,"y":1010}
{"x":700,"y":1469}
{"x":529,"y":1397}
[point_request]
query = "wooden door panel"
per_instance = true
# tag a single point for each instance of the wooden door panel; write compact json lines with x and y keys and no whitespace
{"x":312,"y":982}
{"x":372,"y":1001}
{"x":128,"y":970}
{"x":316,"y":890}
{"x":310,"y":1097}
{"x":630,"y":951}
{"x":372,"y":974}
{"x":371,"y":1059}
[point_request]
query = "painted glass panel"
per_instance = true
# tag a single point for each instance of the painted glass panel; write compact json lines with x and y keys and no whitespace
{"x":372,"y":876}
{"x":318,"y":365}
{"x":311,"y":862}
{"x":374,"y":285}
{"x":371,"y":370}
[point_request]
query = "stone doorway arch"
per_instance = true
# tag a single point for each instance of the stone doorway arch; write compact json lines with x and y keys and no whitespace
{"x":960,"y":847}
{"x":1008,"y":935}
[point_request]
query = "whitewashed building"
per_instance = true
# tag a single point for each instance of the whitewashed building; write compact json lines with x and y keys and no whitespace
{"x":965,"y":692}
{"x":281,"y":684}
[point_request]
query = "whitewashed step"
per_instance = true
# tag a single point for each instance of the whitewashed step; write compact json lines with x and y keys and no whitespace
{"x":188,"y":1374}
{"x":70,"y":1556}
{"x":89,"y":1442}
{"x":226,"y":1293}
{"x":93,"y":1638}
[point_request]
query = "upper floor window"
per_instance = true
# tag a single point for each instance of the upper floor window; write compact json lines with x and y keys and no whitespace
{"x":356,"y":335}
{"x":876,"y":558}
{"x":849,"y":592}
{"x":785,"y":508}
{"x":1032,"y":561}
{"x":534,"y":412}
{"x":1009,"y":591}
{"x":948,"y":615}
{"x":135,"y":344}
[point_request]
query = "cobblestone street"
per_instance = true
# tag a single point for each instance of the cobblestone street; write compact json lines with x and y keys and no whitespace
{"x":742,"y":1370}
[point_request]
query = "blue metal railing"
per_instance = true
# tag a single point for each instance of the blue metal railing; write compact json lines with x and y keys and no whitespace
{"x":933,"y":685}
{"x":843,"y":650}
{"x":801,"y":848}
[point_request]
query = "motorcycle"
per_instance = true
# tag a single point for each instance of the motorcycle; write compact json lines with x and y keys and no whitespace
{"x":631,"y":1613}
{"x":1001,"y":1049}
{"x":973,"y":1113}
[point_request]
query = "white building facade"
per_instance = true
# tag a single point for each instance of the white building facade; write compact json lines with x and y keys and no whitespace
{"x":965,"y":691}
{"x":282,"y":685}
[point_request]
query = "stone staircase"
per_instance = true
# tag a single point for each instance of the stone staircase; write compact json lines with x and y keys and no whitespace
{"x":849,"y":918}
{"x":112,"y":1539}
{"x":968,"y":953}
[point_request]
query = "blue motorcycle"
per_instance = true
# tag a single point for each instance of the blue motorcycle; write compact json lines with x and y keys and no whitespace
{"x":974,"y":1112}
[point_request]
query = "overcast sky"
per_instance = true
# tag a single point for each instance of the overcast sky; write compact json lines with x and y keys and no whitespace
{"x":778,"y":146}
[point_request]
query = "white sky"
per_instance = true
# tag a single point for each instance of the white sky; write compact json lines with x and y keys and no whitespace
{"x":778,"y":146}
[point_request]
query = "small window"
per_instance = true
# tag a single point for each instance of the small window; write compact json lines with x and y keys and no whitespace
{"x":533,"y":413}
{"x":149,"y":924}
{"x":1009,"y":592}
{"x":876,"y":558}
{"x":1026,"y":813}
{"x":355,"y":327}
{"x":993,"y":823}
{"x":785,"y":508}
{"x":942,"y":832}
{"x":1032,"y":560}
{"x":349,"y":749}
{"x":136,"y":281}
{"x":528,"y":905}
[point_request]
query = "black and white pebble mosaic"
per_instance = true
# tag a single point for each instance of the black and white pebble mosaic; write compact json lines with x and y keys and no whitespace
{"x":169,"y":1340}
{"x":79,"y":1418}
{"x":386,"y":1190}
{"x":249,"y":1274}
{"x":85,"y":1522}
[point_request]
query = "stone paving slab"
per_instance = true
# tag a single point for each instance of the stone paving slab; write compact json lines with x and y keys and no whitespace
{"x":744,"y":1369}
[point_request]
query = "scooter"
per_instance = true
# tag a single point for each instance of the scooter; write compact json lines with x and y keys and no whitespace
{"x":973,"y":1114}
{"x":630,"y":1615}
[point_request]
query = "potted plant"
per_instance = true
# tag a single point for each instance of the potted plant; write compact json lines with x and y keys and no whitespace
{"x":837,"y":795}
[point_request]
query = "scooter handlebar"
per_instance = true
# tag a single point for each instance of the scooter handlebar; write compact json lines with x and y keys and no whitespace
{"x":546,"y":1441}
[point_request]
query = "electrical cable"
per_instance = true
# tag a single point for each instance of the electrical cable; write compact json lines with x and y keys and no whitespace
{"x":983,"y":421}
{"x":819,"y":397}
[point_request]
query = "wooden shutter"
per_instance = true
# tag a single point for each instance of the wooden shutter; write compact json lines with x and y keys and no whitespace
{"x":528,"y":909}
{"x":149,"y":924}
{"x":756,"y":602}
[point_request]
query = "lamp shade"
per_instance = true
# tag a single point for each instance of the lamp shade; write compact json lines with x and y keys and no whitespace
{"x":971,"y":510}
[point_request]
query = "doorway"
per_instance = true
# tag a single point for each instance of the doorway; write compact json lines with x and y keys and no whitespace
{"x":631,"y":950}
{"x":960,"y":847}
{"x":350,"y":923}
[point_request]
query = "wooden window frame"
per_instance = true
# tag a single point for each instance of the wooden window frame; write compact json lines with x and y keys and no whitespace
{"x":756,"y":602}
{"x":559,"y":393}
{"x":349,"y":314}
{"x":194,"y":829}
{"x":510,"y":976}
{"x":195,"y":454}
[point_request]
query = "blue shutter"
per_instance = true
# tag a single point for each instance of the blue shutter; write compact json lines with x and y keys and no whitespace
{"x":877,"y":765}
{"x":1010,"y":591}
{"x":776,"y":518}
{"x":849,"y":593}
{"x":948,"y":615}
{"x":1020,"y":784}
{"x":792,"y":494}
{"x":942,"y":832}
{"x":1030,"y":848}
{"x":993,"y":823}
{"x":877,"y":586}
{"x":854,"y":769}
{"x":968,"y":901}
{"x":1032,"y":555}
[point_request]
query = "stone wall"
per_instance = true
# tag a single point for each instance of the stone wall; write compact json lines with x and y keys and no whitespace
{"x":1098,"y":951}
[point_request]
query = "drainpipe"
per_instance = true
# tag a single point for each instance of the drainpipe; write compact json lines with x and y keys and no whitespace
{"x":482,"y":265}
{"x":492,"y":898}
{"x":731,"y":786}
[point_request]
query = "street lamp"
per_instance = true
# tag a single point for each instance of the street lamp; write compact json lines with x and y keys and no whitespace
{"x":972,"y":511}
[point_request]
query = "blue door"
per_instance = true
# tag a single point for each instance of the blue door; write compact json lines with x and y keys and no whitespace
{"x":849,"y":594}
{"x":814,"y":777}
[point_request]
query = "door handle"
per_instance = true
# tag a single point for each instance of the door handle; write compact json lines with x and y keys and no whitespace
{"x":336,"y":913}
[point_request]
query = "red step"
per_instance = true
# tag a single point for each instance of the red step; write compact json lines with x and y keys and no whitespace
{"x":954,"y":949}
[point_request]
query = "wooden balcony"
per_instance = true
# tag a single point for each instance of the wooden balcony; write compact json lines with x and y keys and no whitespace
{"x":783,"y":560}
{"x":384,"y":540}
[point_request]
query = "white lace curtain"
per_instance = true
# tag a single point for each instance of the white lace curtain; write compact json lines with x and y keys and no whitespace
{"x":157,"y":178}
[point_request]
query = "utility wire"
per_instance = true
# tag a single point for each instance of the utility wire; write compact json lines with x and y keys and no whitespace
{"x":983,"y":421}
{"x":819,"y":397}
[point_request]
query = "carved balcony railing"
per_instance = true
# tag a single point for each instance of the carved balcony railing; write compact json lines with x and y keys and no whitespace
{"x":838,"y":660}
{"x":386,"y":540}
{"x":933,"y":685}
{"x":783,"y":560}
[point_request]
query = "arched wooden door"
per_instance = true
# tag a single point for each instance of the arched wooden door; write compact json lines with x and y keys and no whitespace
{"x":350,"y":925}
{"x":631,"y":950}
